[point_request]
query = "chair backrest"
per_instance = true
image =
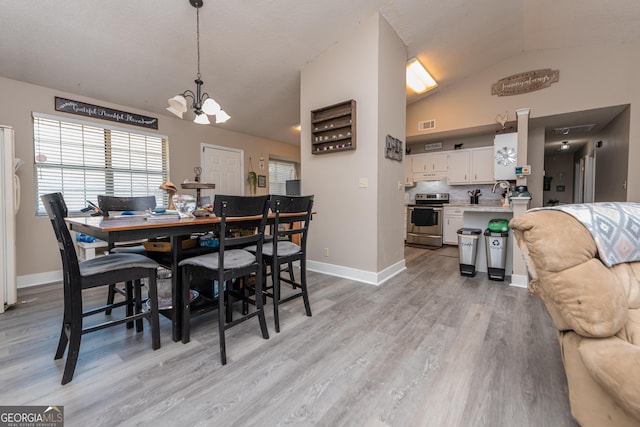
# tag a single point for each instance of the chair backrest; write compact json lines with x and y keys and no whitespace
{"x":125,"y":204}
{"x":57,"y":211}
{"x":296,"y":222}
{"x":228,"y":207}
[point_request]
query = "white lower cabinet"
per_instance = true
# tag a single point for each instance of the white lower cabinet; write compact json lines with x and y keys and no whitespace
{"x":452,"y":222}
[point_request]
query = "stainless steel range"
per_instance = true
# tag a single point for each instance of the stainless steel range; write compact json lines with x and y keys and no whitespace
{"x":424,"y":219}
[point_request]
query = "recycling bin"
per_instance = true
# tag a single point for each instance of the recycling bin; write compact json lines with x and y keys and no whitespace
{"x":468,"y":247}
{"x":496,"y":248}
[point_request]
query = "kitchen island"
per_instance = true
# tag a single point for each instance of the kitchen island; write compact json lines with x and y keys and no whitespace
{"x":478,"y":216}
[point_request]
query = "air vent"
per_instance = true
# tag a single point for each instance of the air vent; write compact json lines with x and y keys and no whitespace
{"x":427,"y":125}
{"x":573,"y":129}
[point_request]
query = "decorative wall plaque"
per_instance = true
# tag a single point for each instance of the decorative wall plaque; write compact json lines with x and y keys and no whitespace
{"x":525,"y":82}
{"x":393,"y":148}
{"x":104,"y":113}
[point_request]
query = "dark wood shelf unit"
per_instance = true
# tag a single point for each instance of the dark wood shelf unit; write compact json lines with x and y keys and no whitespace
{"x":333,"y":128}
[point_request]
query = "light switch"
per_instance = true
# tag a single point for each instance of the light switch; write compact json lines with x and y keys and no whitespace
{"x":364,"y":182}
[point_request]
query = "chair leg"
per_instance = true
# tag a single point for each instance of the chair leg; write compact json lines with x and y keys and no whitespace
{"x":227,"y":302}
{"x":303,"y":285}
{"x":110,"y":297}
{"x":75,"y":335}
{"x":137,"y":289}
{"x":275,"y":279}
{"x":259,"y":304}
{"x":154,"y":317}
{"x":130,"y":303}
{"x":292,"y":277}
{"x":62,"y":343}
{"x":221,"y":325}
{"x":186,"y":306}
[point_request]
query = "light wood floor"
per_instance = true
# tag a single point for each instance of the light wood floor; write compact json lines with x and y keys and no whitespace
{"x":427,"y":348}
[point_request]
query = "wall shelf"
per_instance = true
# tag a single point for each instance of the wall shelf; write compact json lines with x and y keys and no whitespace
{"x":333,"y":128}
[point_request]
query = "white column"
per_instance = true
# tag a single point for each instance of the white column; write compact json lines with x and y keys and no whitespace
{"x":523,"y":140}
{"x":520,"y":277}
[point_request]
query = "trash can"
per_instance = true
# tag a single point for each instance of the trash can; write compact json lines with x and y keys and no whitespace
{"x":496,"y":238}
{"x":468,"y":247}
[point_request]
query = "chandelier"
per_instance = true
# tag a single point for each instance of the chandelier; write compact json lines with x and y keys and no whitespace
{"x":201,"y":103}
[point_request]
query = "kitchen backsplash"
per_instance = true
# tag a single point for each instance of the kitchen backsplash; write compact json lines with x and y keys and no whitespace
{"x":456,"y":192}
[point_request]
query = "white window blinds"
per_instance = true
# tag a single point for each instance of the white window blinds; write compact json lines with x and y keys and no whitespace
{"x":82,"y":160}
{"x":279,"y":172}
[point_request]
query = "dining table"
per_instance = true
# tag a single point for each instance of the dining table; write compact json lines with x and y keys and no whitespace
{"x":126,"y":228}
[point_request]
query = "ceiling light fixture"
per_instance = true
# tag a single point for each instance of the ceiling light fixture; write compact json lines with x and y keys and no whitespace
{"x":201,"y":103}
{"x":418,"y":78}
{"x":564,"y":146}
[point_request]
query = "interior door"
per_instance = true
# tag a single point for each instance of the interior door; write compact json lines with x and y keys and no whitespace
{"x":224,"y":167}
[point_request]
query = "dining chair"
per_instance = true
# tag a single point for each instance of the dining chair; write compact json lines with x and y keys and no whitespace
{"x":111,"y":204}
{"x":231,"y":262}
{"x":101,"y":271}
{"x":288,"y":245}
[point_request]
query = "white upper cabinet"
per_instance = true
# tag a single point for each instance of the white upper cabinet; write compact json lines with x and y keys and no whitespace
{"x":408,"y":173}
{"x":473,"y":166}
{"x":459,"y":167}
{"x":482,"y":165}
{"x":430,"y":166}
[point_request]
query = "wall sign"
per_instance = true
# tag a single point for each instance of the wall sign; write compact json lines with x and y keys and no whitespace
{"x":393,"y":148}
{"x":104,"y":113}
{"x":525,"y":82}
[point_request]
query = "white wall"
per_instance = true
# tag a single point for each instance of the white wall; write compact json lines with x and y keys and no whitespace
{"x":590,"y":77}
{"x":391,"y":119}
{"x":37,"y":252}
{"x":366,"y":67}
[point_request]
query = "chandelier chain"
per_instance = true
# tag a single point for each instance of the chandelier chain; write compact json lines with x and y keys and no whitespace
{"x":198,"y":38}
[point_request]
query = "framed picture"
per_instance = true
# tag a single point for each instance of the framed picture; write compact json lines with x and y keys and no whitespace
{"x":262,"y":181}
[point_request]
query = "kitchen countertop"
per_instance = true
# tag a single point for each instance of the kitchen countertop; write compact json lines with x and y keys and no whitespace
{"x":489,"y":206}
{"x":483,"y":206}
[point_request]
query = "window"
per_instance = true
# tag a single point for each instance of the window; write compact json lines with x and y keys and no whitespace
{"x":279,"y":172}
{"x":82,"y":160}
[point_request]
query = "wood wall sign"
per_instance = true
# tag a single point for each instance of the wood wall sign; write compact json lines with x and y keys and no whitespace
{"x":525,"y":82}
{"x":104,"y":113}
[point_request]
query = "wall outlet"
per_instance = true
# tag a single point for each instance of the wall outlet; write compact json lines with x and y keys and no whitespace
{"x":325,"y":252}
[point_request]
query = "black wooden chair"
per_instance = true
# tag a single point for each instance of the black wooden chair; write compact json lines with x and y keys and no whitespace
{"x":230,"y":263}
{"x":101,"y":271}
{"x":282,"y":251}
{"x":124,"y":204}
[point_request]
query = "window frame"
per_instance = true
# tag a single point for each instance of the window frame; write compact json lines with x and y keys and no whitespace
{"x":292,"y":164}
{"x":85,"y":133}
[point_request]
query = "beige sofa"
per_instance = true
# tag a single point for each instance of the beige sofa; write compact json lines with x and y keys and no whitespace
{"x":596,"y":310}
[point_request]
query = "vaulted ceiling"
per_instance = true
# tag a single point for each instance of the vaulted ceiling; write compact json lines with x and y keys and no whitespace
{"x":139,"y":53}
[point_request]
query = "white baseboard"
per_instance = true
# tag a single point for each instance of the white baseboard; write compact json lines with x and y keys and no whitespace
{"x":369,"y":277}
{"x":519,"y":281}
{"x":29,"y":280}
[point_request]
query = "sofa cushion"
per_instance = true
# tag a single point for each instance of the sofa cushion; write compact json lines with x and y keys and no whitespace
{"x":628,"y":276}
{"x":589,"y":298}
{"x":615,"y":365}
{"x":555,"y":240}
{"x":631,"y":330}
{"x":580,"y":292}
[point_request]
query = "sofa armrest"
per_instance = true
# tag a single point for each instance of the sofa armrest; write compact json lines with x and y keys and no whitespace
{"x":615,"y":365}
